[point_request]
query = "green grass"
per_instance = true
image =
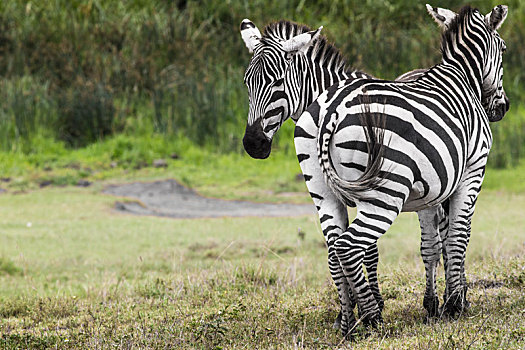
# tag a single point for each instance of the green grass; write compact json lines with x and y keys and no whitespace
{"x":87,"y":277}
{"x":231,"y":175}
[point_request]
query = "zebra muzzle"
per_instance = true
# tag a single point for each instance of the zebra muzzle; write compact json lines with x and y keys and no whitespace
{"x":500,"y":110}
{"x":255,"y":142}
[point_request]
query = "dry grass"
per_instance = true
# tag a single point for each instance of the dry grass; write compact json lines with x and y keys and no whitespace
{"x":86,"y":277}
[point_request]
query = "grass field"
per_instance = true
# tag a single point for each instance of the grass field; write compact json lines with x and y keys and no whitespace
{"x":75,"y":274}
{"x":97,"y":90}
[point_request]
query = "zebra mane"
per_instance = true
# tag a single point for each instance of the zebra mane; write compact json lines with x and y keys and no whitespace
{"x":449,"y":35}
{"x":321,"y":51}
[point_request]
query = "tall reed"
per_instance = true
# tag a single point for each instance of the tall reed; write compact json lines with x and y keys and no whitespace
{"x":80,"y":71}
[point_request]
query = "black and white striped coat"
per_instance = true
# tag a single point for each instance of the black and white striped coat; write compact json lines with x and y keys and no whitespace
{"x":389,"y":147}
{"x":291,"y":66}
{"x":289,"y":69}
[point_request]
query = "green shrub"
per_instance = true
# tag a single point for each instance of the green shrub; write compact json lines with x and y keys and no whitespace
{"x":85,"y":114}
{"x":508,"y":139}
{"x":176,"y":67}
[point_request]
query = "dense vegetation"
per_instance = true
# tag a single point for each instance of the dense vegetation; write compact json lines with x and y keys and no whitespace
{"x":79,"y":71}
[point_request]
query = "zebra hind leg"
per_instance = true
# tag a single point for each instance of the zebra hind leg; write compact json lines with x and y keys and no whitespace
{"x":443,"y":233}
{"x":456,"y":303}
{"x":346,"y":297}
{"x":371,"y":261}
{"x":462,"y":205}
{"x":351,"y":258}
{"x":351,"y":247}
{"x":464,"y":280}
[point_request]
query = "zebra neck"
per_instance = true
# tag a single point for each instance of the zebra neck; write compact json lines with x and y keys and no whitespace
{"x":317,"y":79}
{"x":464,"y":46}
{"x":472,"y":72}
{"x":315,"y":76}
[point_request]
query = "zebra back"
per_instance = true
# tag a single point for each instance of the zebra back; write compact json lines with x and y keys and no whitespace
{"x":444,"y":105}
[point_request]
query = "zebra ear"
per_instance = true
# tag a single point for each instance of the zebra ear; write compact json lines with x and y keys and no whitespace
{"x":442,"y":16}
{"x":250,"y":34}
{"x":301,"y":42}
{"x":497,"y":16}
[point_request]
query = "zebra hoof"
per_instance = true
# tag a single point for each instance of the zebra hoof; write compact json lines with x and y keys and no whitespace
{"x":373,"y":321}
{"x":456,"y":305}
{"x":349,"y":332}
{"x":337,"y":322}
{"x":431,"y":304}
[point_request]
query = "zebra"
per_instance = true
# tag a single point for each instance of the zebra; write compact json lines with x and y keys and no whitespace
{"x":388,"y":147}
{"x":291,"y":66}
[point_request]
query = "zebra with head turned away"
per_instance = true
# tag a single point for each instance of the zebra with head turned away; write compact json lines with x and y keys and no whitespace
{"x":388,"y":147}
{"x":291,"y":66}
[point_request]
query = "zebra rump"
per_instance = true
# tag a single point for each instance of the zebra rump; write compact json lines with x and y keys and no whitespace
{"x":348,"y":191}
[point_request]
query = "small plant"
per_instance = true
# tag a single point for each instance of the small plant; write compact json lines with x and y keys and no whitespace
{"x":212,"y":328}
{"x":15,"y":308}
{"x":9,"y":268}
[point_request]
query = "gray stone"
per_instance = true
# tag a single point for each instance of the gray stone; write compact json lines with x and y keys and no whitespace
{"x":160,"y":163}
{"x":83,"y":183}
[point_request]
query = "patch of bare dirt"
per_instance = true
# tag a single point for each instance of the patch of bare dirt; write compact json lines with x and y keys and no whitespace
{"x":168,"y":198}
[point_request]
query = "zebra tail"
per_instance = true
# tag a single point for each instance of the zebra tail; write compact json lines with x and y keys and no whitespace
{"x":350,"y":192}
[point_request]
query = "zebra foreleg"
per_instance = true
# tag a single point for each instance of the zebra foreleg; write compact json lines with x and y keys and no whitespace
{"x":462,"y":205}
{"x":431,"y":248}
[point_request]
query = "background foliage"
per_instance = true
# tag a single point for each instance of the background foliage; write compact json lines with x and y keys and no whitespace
{"x":79,"y":71}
